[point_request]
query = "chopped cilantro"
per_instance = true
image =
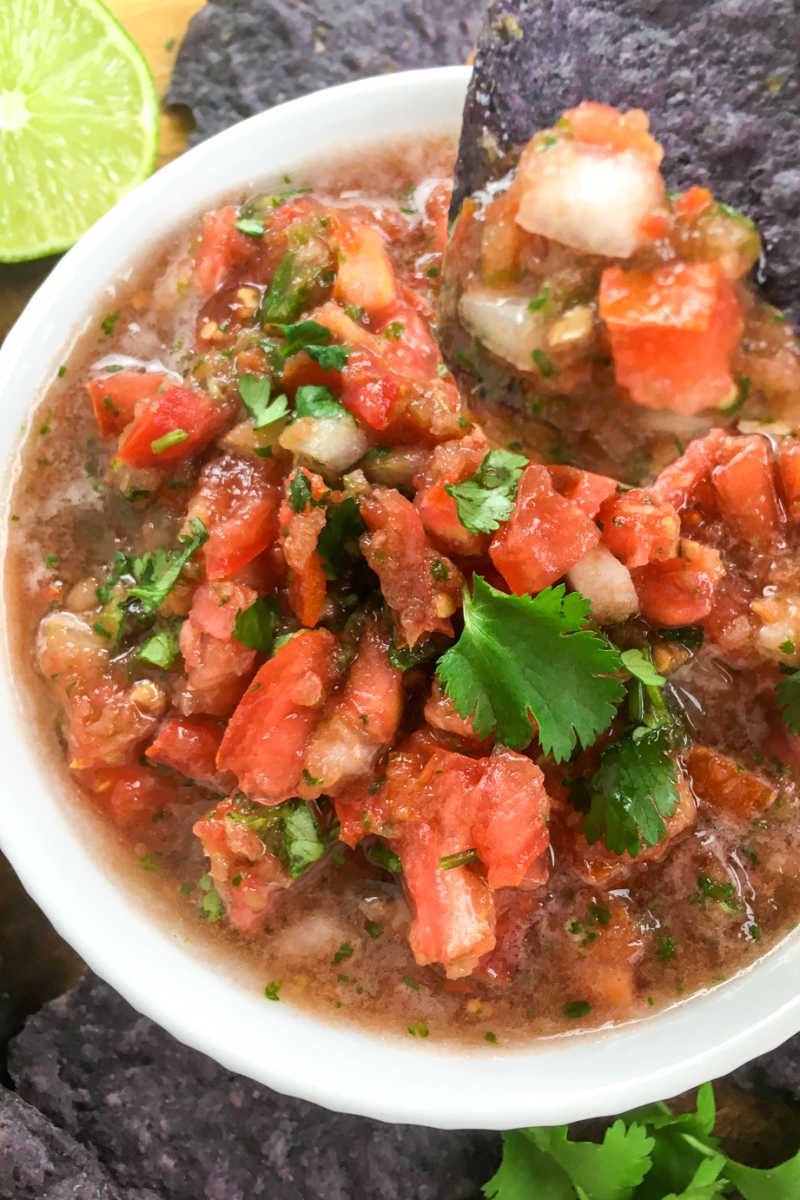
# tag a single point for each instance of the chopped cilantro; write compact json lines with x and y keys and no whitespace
{"x":543,"y":363}
{"x":787,"y":696}
{"x":148,"y":862}
{"x":439,"y":570}
{"x":449,"y":861}
{"x":665,"y":948}
{"x":403,"y":658}
{"x":212,"y":906}
{"x":640,"y":664}
{"x":283,"y":300}
{"x":632,"y":791}
{"x":690,"y":637}
{"x":561,"y":672}
{"x":574,"y":1009}
{"x":487,"y":499}
{"x":255,"y":394}
{"x":50,"y":561}
{"x":156,"y":573}
{"x":311,"y":338}
{"x":787,"y":647}
{"x":173,"y":438}
{"x":419,"y":1030}
{"x":255,"y":626}
{"x":289,"y":830}
{"x":490,"y":1037}
{"x":541,"y":298}
{"x":394,"y":330}
{"x":299,"y":492}
{"x":108,"y":323}
{"x":162,"y":648}
{"x":355,"y":312}
{"x":271,"y":991}
{"x":343,"y":526}
{"x":62,"y":370}
{"x":312,"y":400}
{"x":411,"y":983}
{"x":310,"y":780}
{"x":344,"y":951}
{"x":252,"y":226}
{"x":373,"y":929}
{"x":723,"y":894}
{"x":743,"y":384}
{"x":187,"y":889}
{"x":381,"y":856}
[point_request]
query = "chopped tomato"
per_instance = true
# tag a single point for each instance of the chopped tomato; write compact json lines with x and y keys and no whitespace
{"x":544,"y":536}
{"x":189,"y":746}
{"x":584,"y":488}
{"x":105,"y":725}
{"x":745,"y":485}
{"x":726,"y":786}
{"x":177,"y":411}
{"x":509,"y":829}
{"x":639,"y":529}
{"x":266,"y":738}
{"x":451,"y":462}
{"x":361,"y":720}
{"x":782,"y":745}
{"x":440,"y":713}
{"x":238,"y":503}
{"x":299,"y":533}
{"x":515,"y":911}
{"x":673,"y":331}
{"x":693,"y":202}
{"x":677,"y":483}
{"x":222,"y":246}
{"x":422,"y":587}
{"x":606,"y":964}
{"x":245,"y":872}
{"x":601,"y":125}
{"x":364,"y":275}
{"x":115,"y":397}
{"x":789,"y":471}
{"x":131,"y":796}
{"x":680,"y":590}
{"x":217,"y":666}
{"x":731,"y":624}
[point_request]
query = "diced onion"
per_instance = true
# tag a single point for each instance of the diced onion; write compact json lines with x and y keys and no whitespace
{"x":607,"y":583}
{"x":332,"y":442}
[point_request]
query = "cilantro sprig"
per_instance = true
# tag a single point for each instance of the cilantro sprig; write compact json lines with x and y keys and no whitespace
{"x":289,"y":830}
{"x":532,"y":656}
{"x":632,"y":792}
{"x":487,"y":499}
{"x":254,"y":627}
{"x":648,"y":1154}
{"x":156,"y":573}
{"x":264,"y":409}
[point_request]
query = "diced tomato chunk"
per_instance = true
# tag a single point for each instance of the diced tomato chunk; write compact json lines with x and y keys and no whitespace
{"x":544,"y":536}
{"x":584,"y":488}
{"x":217,"y":666}
{"x":189,"y":745}
{"x":299,"y":533}
{"x":745,"y":485}
{"x":131,"y":796}
{"x":606,"y":964}
{"x":677,"y":483}
{"x":601,"y":125}
{"x":222,"y":246}
{"x":693,"y":202}
{"x":451,"y":462}
{"x":440,"y":713}
{"x":421,"y":586}
{"x":115,"y":397}
{"x":105,"y":725}
{"x":673,"y":331}
{"x":175,"y":411}
{"x":680,"y":590}
{"x":726,"y":786}
{"x":364,"y":275}
{"x":789,"y":470}
{"x":639,"y":529}
{"x":265,"y":741}
{"x":509,"y":828}
{"x":360,"y":721}
{"x":238,"y":503}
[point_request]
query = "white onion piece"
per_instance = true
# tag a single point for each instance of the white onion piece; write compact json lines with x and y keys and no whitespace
{"x":332,"y":442}
{"x":607,"y":583}
{"x":503,"y":324}
{"x":588,"y":198}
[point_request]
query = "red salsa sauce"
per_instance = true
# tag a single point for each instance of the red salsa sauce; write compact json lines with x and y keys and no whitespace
{"x":443,"y":732}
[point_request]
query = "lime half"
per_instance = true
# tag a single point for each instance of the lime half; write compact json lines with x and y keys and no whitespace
{"x":78,"y":121}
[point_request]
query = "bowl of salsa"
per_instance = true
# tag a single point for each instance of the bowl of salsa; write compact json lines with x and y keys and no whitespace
{"x":377,"y":721}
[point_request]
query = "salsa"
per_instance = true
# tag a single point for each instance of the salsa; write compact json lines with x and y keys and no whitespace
{"x":463,"y":704}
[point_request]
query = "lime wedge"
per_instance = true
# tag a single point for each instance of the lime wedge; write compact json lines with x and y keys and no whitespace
{"x":78,"y":121}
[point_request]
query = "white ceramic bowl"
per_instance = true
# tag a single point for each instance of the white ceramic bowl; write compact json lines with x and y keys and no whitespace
{"x":148,"y":961}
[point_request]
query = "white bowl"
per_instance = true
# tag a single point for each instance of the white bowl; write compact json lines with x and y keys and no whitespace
{"x":146,"y":958}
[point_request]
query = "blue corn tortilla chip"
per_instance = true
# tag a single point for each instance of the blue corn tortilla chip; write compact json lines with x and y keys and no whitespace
{"x":163,"y":1117}
{"x":242,"y":56}
{"x":719,"y":81}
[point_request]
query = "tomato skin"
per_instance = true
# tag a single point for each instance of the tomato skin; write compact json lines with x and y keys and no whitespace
{"x":216,"y":665}
{"x":222,"y":246}
{"x":237,"y":501}
{"x":601,"y":125}
{"x":299,"y":532}
{"x":115,"y":397}
{"x":639,"y":529}
{"x":677,"y":483}
{"x":544,"y":536}
{"x":693,"y":202}
{"x":584,"y":488}
{"x":789,"y":474}
{"x":679,"y":591}
{"x":194,"y":412}
{"x":189,"y":746}
{"x":673,"y":331}
{"x":721,"y":782}
{"x":364,"y":275}
{"x":130,"y":796}
{"x":398,"y":550}
{"x":265,"y":740}
{"x":745,"y":486}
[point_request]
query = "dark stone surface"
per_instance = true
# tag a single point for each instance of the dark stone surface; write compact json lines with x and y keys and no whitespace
{"x":779,"y":1071}
{"x":158,"y":1115}
{"x":719,"y":81}
{"x":242,"y":56}
{"x":38,"y":1161}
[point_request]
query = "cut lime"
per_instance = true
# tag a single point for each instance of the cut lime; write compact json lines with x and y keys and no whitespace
{"x":78,"y":121}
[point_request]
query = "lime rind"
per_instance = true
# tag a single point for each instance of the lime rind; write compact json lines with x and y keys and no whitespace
{"x":78,"y":122}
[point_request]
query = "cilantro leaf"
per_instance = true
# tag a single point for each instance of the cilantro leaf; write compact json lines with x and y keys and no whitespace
{"x":403,"y":658}
{"x":299,"y":492}
{"x":289,"y":830}
{"x":531,"y":655}
{"x":775,"y":1183}
{"x":255,"y":626}
{"x":640,"y":665}
{"x":311,"y":338}
{"x":632,"y":791}
{"x":312,"y":400}
{"x":706,"y":1183}
{"x":330,"y":358}
{"x":343,"y":525}
{"x":252,"y":226}
{"x":283,"y":300}
{"x":212,"y":906}
{"x":524,"y":1167}
{"x":787,"y":695}
{"x":487,"y":499}
{"x":162,"y":648}
{"x":255,"y":394}
{"x":157,"y":573}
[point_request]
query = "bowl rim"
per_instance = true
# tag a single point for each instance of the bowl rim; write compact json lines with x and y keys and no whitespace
{"x":347,"y":1069}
